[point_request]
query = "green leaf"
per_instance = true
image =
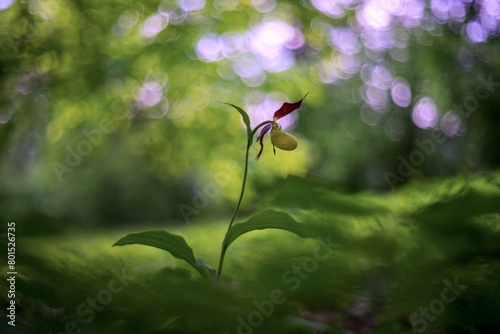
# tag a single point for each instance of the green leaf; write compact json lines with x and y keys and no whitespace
{"x":210,"y":272}
{"x":246,"y":120}
{"x":172,"y":243}
{"x":268,"y":219}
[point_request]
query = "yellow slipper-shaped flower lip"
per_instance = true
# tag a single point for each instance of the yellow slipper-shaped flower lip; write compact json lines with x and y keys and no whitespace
{"x":282,"y":140}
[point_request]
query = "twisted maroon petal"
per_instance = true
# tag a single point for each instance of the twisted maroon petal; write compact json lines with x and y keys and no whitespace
{"x":287,"y":108}
{"x":260,"y":139}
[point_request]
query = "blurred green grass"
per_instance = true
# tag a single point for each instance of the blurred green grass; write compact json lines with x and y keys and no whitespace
{"x":394,"y":252}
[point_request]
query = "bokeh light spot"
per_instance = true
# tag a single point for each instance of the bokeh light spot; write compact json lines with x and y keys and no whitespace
{"x":373,"y":15}
{"x":192,"y":5}
{"x":5,"y":116}
{"x":401,"y":92}
{"x":153,"y":25}
{"x":465,"y":57}
{"x":375,"y":97}
{"x":451,"y":124}
{"x":4,"y":4}
{"x":149,"y":95}
{"x":425,"y":114}
{"x":264,"y":6}
{"x":475,"y":32}
{"x":329,"y":7}
{"x":209,"y":48}
{"x":344,"y":40}
{"x":125,"y":23}
{"x":268,"y":38}
{"x":46,"y":9}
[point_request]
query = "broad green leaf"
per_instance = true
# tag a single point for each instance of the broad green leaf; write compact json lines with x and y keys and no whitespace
{"x":172,"y":243}
{"x":246,"y":120}
{"x":268,"y":219}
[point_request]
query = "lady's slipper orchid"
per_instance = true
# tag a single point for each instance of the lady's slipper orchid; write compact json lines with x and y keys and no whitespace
{"x":279,"y":138}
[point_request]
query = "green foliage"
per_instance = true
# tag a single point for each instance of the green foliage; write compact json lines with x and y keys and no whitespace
{"x":268,"y":219}
{"x":306,"y":193}
{"x":388,"y":265}
{"x":172,"y":243}
{"x":109,"y":117}
{"x":67,"y":68}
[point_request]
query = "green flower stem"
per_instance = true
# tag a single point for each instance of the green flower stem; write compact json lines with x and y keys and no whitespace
{"x":224,"y":244}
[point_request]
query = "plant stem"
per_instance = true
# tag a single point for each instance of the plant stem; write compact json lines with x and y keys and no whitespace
{"x":245,"y":172}
{"x":224,"y":246}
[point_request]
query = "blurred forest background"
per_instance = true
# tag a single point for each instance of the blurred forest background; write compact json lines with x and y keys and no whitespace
{"x":110,"y":120}
{"x":109,"y":110}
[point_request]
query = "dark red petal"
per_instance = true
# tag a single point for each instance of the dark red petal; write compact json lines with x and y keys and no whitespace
{"x":260,"y":139}
{"x":287,"y":108}
{"x":260,"y":151}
